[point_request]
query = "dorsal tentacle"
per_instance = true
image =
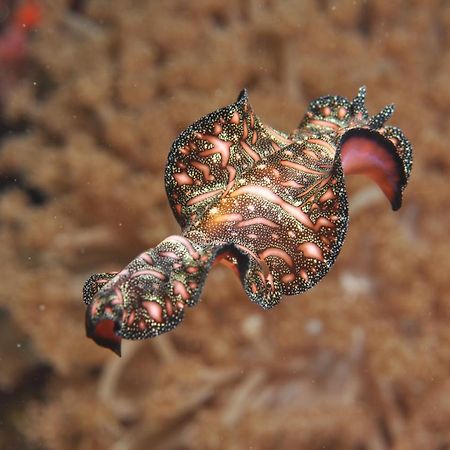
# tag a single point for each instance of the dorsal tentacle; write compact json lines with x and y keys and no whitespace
{"x":378,"y":120}
{"x":359,"y":104}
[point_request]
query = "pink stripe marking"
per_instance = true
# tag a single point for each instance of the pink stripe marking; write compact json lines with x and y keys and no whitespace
{"x":169,"y":255}
{"x":147,"y":258}
{"x":270,"y":281}
{"x":235,"y":118}
{"x":313,"y":186}
{"x":130,"y":319}
{"x":276,"y":134}
{"x":323,"y":143}
{"x":299,"y":167}
{"x":250,"y":151}
{"x":322,"y":222}
{"x":182,"y":178}
{"x":295,"y":212}
{"x":310,"y":153}
{"x":202,"y":197}
{"x":275,"y":146}
{"x":311,"y":250}
{"x":341,"y":112}
{"x":119,"y":297}
{"x":180,"y":289}
{"x":261,"y":276}
{"x":324,"y":123}
{"x":154,"y":310}
{"x":231,"y":177}
{"x":228,"y":218}
{"x":155,"y":273}
{"x":101,"y":280}
{"x":169,"y":307}
{"x":267,"y":194}
{"x":246,"y":250}
{"x":94,"y":307}
{"x":258,"y":221}
{"x":186,"y":243}
{"x":328,"y":195}
{"x":123,"y":273}
{"x":244,"y":130}
{"x":278,"y":253}
{"x":204,"y":169}
{"x":288,"y":278}
{"x":292,"y":183}
{"x":219,"y":146}
{"x":325,"y":167}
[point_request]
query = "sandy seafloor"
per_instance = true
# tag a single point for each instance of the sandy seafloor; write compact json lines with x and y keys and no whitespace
{"x":361,"y":362}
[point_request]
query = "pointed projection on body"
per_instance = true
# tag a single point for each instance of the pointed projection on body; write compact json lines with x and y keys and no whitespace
{"x":270,"y":205}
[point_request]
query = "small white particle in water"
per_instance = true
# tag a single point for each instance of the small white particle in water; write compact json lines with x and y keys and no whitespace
{"x":314,"y":326}
{"x":253,"y":325}
{"x":19,"y":345}
{"x":41,"y":307}
{"x":356,"y":284}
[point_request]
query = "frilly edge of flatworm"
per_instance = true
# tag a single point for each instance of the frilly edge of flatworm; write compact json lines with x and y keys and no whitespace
{"x":270,"y":205}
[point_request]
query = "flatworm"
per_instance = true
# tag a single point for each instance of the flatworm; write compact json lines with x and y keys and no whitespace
{"x":270,"y":205}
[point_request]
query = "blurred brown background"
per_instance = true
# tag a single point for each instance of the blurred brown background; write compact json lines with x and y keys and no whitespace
{"x":90,"y":103}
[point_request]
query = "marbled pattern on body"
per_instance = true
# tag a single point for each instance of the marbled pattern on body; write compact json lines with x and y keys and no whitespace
{"x":271,"y":205}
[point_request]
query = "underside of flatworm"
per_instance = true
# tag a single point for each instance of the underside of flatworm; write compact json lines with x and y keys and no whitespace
{"x":270,"y":205}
